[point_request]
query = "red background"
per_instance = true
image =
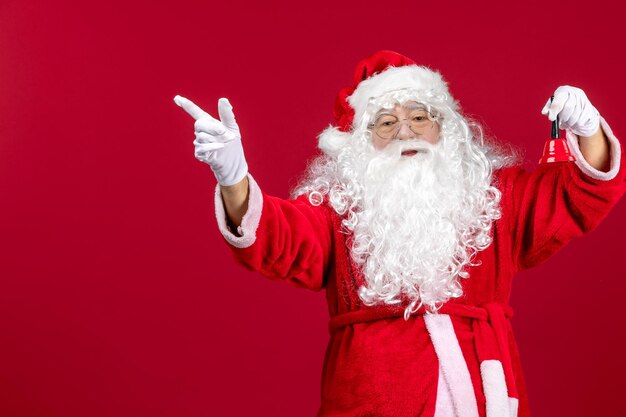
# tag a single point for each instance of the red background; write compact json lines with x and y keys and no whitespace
{"x":118,"y":296}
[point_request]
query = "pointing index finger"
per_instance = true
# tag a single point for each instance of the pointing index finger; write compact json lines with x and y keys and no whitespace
{"x":190,"y":107}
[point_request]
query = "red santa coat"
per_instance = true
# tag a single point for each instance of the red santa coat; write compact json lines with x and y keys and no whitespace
{"x":462,"y":361}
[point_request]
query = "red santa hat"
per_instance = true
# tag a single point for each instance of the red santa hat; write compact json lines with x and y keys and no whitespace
{"x":383,"y":72}
{"x":375,"y":76}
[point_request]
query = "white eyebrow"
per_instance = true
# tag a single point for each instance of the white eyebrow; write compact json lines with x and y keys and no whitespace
{"x":409,"y":105}
{"x":416,"y":106}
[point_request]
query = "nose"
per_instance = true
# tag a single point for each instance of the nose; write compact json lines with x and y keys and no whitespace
{"x":405,"y":131}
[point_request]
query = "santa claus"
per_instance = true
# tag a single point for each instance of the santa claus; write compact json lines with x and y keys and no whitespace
{"x":415,"y":226}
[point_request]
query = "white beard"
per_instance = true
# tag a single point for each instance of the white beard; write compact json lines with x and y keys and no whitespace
{"x":416,"y":221}
{"x":413,"y":226}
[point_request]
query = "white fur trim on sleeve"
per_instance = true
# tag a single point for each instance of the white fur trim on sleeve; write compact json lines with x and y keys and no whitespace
{"x":250,"y":221}
{"x":615,"y":150}
{"x":452,"y":364}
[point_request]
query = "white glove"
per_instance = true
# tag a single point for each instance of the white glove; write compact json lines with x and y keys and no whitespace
{"x":218,"y":142}
{"x":575,"y":111}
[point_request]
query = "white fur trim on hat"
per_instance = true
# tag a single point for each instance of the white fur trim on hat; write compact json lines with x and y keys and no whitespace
{"x":397,"y":78}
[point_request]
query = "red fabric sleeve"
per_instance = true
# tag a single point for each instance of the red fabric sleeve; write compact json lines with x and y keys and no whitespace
{"x":293,"y":242}
{"x":552,"y":205}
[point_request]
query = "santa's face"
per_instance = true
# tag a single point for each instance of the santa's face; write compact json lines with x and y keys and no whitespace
{"x":411,"y":120}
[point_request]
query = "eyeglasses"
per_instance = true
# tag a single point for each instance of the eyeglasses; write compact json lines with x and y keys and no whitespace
{"x":387,"y":126}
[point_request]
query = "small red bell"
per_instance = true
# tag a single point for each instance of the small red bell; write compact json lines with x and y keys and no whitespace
{"x":556,"y":149}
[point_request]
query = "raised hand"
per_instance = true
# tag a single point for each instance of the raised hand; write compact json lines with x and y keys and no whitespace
{"x":218,"y":142}
{"x":574,"y":110}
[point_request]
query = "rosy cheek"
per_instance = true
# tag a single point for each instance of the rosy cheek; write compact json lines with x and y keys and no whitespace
{"x":432,"y":137}
{"x":380,"y":144}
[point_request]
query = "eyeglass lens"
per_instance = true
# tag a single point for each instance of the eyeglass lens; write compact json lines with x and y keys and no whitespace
{"x":387,"y":126}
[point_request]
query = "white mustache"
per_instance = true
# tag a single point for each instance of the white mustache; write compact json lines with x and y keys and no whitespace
{"x":396,"y":149}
